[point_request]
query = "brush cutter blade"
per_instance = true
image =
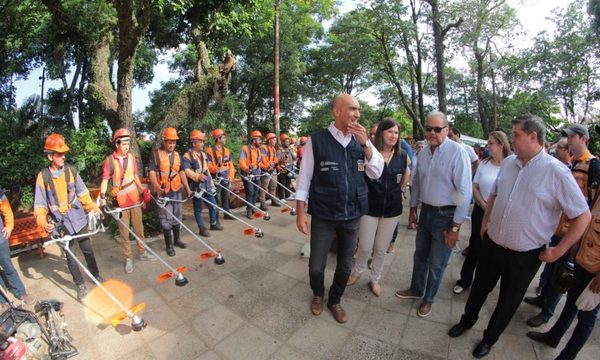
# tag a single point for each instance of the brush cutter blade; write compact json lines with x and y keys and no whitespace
{"x":116,"y":320}
{"x":207,"y":255}
{"x":284,"y":210}
{"x":181,"y":269}
{"x":165,"y":276}
{"x":258,"y":215}
{"x":249,"y":232}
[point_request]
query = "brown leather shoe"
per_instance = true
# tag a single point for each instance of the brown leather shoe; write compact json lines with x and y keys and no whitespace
{"x":407,"y":294}
{"x":424,"y":309}
{"x":316,"y":305}
{"x":339,"y":314}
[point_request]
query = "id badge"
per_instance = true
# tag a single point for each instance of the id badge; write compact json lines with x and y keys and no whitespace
{"x":398,"y":178}
{"x":361,"y":165}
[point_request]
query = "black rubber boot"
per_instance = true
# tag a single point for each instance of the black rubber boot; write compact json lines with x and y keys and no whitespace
{"x":176,"y":240}
{"x":169,"y":242}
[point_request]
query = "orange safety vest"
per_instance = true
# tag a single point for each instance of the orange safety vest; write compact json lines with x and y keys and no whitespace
{"x":588,"y":255}
{"x":124,"y":186}
{"x":270,"y":161}
{"x":169,"y":167}
{"x":252,"y":158}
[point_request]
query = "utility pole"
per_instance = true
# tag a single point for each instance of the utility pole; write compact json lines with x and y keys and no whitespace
{"x":494,"y":108}
{"x":43,"y":78}
{"x":276,"y":70}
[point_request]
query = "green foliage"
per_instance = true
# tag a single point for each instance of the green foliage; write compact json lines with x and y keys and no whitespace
{"x":89,"y":147}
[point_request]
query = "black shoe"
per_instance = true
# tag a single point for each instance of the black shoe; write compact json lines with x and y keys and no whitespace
{"x":81,"y":291}
{"x":535,"y":301}
{"x":457,"y":330}
{"x":537,"y":320}
{"x":216,"y":226}
{"x":228,"y":217}
{"x":203,"y":232}
{"x":176,"y":240}
{"x":249,"y":214}
{"x":264,"y":207}
{"x":169,"y":242}
{"x":100,"y":279}
{"x":543,"y":338}
{"x":275,"y":203}
{"x":482,"y":349}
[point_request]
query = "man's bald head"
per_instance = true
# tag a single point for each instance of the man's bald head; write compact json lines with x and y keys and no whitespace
{"x":346,"y":109}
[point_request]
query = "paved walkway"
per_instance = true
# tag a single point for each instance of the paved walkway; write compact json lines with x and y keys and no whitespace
{"x":256,"y":305}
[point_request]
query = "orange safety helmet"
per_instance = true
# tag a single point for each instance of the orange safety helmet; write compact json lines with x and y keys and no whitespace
{"x":217,"y":132}
{"x":270,"y":136}
{"x":284,"y":137}
{"x":56,"y":143}
{"x":170,"y":134}
{"x":197,"y":135}
{"x":122,"y":132}
{"x":255,"y":134}
{"x":303,"y":140}
{"x":293,"y":140}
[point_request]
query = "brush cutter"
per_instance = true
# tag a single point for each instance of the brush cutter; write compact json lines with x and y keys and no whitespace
{"x":162,"y":202}
{"x":137,"y":323}
{"x":258,"y":214}
{"x":249,"y":178}
{"x":180,"y":280}
{"x":252,"y":230}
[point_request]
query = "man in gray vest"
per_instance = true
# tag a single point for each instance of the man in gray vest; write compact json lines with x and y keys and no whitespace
{"x":332,"y":176}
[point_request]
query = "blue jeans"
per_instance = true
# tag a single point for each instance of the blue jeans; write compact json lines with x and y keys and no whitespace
{"x":251,"y":191}
{"x":431,"y":254}
{"x":585,"y":319}
{"x":14,"y":281}
{"x":212,"y":211}
{"x":322,"y":233}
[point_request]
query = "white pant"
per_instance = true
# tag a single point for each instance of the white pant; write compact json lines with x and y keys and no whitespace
{"x":375,"y":235}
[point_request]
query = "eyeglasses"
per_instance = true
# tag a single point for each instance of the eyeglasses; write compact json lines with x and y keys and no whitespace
{"x":565,"y":147}
{"x":436,"y":129}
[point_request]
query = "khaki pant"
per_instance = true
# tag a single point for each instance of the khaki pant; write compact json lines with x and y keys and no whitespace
{"x":133,"y":217}
{"x":268,"y":183}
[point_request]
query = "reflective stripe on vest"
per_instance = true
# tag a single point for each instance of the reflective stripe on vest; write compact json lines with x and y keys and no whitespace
{"x":123,"y":183}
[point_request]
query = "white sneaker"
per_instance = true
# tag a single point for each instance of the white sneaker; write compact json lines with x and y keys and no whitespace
{"x":128,"y":265}
{"x":147,"y":257}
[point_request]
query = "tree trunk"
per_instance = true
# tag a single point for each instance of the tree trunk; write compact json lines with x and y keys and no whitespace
{"x":483,"y":116}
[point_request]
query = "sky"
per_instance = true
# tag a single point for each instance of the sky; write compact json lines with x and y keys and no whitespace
{"x":532,"y":14}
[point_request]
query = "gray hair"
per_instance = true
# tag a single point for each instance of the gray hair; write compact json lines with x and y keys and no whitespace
{"x":439,"y":114}
{"x":532,"y":123}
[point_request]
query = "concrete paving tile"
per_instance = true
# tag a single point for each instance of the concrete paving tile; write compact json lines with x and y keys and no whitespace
{"x":181,"y":343}
{"x":209,"y":355}
{"x":381,"y":324}
{"x":286,"y":352}
{"x":299,"y":296}
{"x":363,"y":347}
{"x":462,"y":346}
{"x":404,"y":354}
{"x":142,"y":353}
{"x":151,"y":296}
{"x":272,"y":259}
{"x":272,"y":283}
{"x":250,"y":251}
{"x":251,"y":273}
{"x":439,"y":311}
{"x":192,"y":303}
{"x":294,"y":268}
{"x":242,"y":344}
{"x":114,"y":342}
{"x":425,"y":336}
{"x":160,"y":320}
{"x":359,"y":291}
{"x":289,"y":248}
{"x":269,"y":241}
{"x":513,"y":347}
{"x":278,"y":319}
{"x":320,"y":339}
{"x":216,"y":324}
{"x":224,"y":287}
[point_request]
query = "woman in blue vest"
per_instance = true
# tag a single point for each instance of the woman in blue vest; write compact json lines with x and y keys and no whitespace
{"x":385,"y":205}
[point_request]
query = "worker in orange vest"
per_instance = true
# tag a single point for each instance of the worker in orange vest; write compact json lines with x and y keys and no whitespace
{"x":269,"y":164}
{"x":250,"y":159}
{"x":220,"y":164}
{"x":121,"y":169}
{"x":195,"y":165}
{"x":60,"y":206}
{"x":15,"y":285}
{"x":167,"y":178}
{"x":287,"y":160}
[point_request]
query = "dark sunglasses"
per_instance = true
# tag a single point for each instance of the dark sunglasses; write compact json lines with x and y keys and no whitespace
{"x":436,"y":129}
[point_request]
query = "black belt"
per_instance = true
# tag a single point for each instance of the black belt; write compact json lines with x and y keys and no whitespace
{"x":437,"y":208}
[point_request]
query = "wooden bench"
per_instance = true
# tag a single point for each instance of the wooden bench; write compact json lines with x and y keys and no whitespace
{"x":25,"y":234}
